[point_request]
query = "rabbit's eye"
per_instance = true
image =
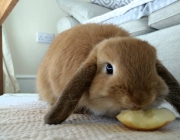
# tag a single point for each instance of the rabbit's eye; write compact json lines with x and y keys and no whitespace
{"x":109,"y":69}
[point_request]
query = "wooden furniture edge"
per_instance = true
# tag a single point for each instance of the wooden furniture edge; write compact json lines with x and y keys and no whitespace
{"x":6,"y":8}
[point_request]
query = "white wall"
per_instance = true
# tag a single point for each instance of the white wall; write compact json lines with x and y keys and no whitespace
{"x":28,"y":17}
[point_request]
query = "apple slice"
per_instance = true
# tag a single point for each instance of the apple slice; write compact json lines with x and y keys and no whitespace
{"x":149,"y":119}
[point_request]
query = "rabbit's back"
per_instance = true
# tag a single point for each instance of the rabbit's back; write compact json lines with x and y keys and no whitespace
{"x":66,"y":54}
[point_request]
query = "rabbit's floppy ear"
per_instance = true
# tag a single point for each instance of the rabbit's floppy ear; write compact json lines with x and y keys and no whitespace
{"x":173,"y":96}
{"x":73,"y":92}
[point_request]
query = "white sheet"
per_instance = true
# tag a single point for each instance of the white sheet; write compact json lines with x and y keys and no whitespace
{"x":135,"y":10}
{"x":118,"y":11}
{"x":139,"y":12}
{"x":10,"y":99}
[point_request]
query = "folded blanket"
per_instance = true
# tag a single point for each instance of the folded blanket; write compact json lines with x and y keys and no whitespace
{"x":118,"y":11}
{"x":134,"y":10}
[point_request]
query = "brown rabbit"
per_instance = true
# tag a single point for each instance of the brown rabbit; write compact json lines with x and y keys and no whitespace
{"x":104,"y":70}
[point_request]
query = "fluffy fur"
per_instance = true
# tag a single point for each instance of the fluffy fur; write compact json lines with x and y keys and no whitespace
{"x":73,"y":73}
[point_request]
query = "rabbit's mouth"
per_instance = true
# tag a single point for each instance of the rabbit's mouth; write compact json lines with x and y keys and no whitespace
{"x":113,"y":112}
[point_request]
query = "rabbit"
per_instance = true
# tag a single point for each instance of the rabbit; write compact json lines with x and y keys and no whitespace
{"x":101,"y":68}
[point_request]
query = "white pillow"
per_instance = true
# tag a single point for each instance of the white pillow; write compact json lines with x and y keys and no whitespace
{"x":81,"y":10}
{"x":66,"y":23}
{"x":112,"y":4}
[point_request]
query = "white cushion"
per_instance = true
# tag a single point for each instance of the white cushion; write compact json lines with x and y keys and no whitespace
{"x":66,"y":23}
{"x":137,"y":27}
{"x":166,"y":17}
{"x":80,"y":10}
{"x":167,"y":41}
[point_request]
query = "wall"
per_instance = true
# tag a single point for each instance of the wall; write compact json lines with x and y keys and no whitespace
{"x":28,"y":17}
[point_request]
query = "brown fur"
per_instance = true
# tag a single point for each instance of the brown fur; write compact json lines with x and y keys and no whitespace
{"x":72,"y":73}
{"x":174,"y":88}
{"x":66,"y":54}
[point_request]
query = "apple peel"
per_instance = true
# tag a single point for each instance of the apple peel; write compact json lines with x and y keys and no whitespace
{"x":148,"y":119}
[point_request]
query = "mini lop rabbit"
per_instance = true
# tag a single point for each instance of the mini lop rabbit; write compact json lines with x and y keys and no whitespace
{"x":104,"y":70}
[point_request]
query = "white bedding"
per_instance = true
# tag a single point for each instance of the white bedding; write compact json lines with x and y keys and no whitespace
{"x":21,"y":118}
{"x":134,"y":10}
